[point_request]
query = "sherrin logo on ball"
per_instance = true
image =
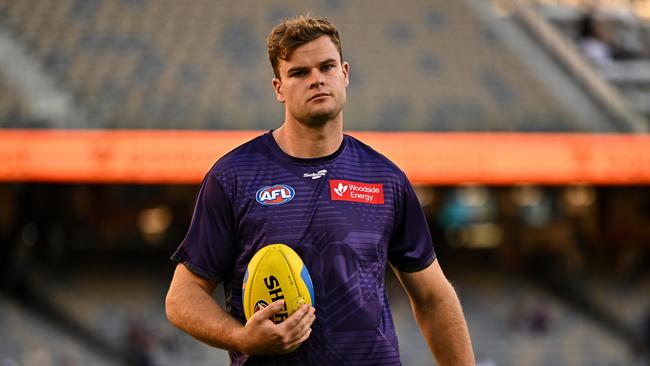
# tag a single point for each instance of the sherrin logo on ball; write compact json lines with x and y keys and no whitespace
{"x":275,"y":195}
{"x":276,"y":272}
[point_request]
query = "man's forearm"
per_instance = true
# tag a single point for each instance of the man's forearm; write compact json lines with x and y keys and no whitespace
{"x":191,"y":308}
{"x":445,"y":330}
{"x":194,"y":311}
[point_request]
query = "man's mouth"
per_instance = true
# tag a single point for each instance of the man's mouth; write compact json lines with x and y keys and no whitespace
{"x":319,"y":95}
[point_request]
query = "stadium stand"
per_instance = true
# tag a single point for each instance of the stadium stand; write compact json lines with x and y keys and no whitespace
{"x":13,"y":108}
{"x":623,"y":27}
{"x":512,"y":322}
{"x":124,"y":310}
{"x":628,"y":301}
{"x":30,"y":340}
{"x":127,"y":309}
{"x":163,"y":64}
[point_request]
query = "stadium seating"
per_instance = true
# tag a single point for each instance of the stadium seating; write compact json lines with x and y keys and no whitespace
{"x":513,"y":322}
{"x":126,"y":307}
{"x":166,"y":64}
{"x":29,"y":340}
{"x":13,"y":108}
{"x":628,"y":301}
{"x":626,"y":32}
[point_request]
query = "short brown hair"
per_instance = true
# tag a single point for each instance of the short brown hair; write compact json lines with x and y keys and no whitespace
{"x":292,"y":33}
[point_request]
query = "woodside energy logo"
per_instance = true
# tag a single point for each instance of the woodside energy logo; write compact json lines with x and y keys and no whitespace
{"x":345,"y":190}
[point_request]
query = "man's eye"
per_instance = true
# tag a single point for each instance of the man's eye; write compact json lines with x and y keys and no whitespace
{"x":298,"y":73}
{"x":328,"y":67}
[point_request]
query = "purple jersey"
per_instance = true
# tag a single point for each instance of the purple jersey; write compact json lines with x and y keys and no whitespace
{"x":347,"y":215}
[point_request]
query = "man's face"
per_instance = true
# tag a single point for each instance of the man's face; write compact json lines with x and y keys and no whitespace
{"x":312,"y":82}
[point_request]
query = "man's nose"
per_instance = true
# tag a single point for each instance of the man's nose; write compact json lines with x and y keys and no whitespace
{"x":317,"y":80}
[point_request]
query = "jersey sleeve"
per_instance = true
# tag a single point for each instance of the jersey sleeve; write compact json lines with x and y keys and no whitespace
{"x":208,"y":247}
{"x":411,"y":247}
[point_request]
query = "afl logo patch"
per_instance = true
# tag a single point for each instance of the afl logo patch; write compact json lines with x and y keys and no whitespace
{"x":275,"y":195}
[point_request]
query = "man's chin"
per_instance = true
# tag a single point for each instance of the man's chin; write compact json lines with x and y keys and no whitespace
{"x":320,"y":118}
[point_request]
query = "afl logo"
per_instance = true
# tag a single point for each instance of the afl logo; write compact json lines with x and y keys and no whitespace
{"x":275,"y":195}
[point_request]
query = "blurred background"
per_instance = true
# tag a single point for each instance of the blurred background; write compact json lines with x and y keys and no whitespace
{"x":549,"y":272}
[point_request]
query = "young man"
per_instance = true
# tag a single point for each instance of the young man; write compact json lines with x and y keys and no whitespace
{"x":351,"y":213}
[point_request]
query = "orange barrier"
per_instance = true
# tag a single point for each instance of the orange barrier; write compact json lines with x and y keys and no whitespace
{"x":162,"y":156}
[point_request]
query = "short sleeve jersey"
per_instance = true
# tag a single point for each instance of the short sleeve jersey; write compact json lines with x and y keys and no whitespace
{"x":347,"y":215}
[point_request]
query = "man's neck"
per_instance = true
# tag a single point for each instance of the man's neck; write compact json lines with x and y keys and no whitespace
{"x":301,"y":141}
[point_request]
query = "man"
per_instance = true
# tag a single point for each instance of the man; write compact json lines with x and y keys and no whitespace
{"x":351,"y":212}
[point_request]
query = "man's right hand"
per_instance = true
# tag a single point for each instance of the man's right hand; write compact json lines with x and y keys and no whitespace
{"x":260,"y":336}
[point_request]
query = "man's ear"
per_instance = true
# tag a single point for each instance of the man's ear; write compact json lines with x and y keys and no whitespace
{"x":346,"y":72}
{"x":277,"y":87}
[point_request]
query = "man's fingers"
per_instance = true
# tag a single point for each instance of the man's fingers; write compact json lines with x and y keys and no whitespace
{"x":300,"y":324}
{"x":296,"y":317}
{"x":306,"y":321}
{"x":305,"y":337}
{"x":289,"y":334}
{"x":299,"y":341}
{"x":304,"y":329}
{"x":269,"y":311}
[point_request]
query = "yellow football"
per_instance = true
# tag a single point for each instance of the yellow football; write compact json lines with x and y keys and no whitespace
{"x":276,"y":272}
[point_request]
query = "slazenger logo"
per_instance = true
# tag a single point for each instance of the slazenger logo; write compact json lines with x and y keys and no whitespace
{"x":345,"y":190}
{"x":275,"y":195}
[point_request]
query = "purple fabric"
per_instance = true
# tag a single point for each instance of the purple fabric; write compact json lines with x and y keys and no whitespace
{"x":346,"y":245}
